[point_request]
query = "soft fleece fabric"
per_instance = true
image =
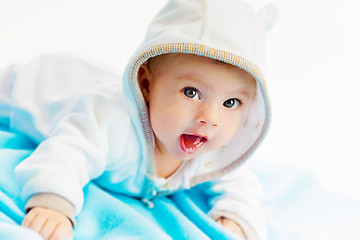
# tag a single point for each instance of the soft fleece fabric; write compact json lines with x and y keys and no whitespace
{"x":86,"y":131}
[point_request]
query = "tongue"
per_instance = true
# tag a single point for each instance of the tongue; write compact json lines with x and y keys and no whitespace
{"x":191,"y":143}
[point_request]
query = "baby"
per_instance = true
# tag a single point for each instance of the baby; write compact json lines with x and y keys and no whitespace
{"x":194,"y":109}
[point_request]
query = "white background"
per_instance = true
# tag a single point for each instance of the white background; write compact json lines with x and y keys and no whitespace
{"x":313,"y":62}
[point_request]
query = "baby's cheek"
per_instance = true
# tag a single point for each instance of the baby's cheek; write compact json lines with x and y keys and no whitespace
{"x":219,"y":142}
{"x":229,"y":131}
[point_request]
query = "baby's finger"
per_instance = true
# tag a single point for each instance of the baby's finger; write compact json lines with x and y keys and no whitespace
{"x":28,"y":219}
{"x":48,"y":229}
{"x":62,"y":231}
{"x":233,"y":227}
{"x":37,"y":223}
{"x":230,"y":225}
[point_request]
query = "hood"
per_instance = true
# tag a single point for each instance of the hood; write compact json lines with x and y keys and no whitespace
{"x":230,"y":31}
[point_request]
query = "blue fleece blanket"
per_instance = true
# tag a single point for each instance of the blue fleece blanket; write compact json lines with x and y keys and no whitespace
{"x":297,"y":207}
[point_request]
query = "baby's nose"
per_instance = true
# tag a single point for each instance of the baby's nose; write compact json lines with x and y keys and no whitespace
{"x":208,"y":115}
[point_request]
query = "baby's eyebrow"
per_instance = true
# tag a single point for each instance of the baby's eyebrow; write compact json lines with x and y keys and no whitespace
{"x":189,"y":76}
{"x":244,"y":93}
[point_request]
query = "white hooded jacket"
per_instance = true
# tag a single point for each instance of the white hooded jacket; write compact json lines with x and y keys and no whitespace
{"x":102,"y":132}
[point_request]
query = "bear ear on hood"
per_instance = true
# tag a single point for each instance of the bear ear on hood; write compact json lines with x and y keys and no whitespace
{"x":268,"y":15}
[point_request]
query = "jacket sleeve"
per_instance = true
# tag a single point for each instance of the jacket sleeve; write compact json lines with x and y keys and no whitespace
{"x":64,"y":104}
{"x":237,"y":196}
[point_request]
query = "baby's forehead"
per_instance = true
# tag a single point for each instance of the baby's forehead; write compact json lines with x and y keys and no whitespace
{"x":170,"y":59}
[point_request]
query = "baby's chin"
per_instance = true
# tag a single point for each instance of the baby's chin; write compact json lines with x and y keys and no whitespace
{"x":187,"y":157}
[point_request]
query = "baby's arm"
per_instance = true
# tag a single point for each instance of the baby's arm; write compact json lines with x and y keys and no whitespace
{"x":70,"y":117}
{"x":50,"y":224}
{"x":236,"y":197}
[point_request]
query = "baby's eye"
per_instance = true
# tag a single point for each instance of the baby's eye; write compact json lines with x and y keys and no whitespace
{"x":191,"y":93}
{"x":232,"y":103}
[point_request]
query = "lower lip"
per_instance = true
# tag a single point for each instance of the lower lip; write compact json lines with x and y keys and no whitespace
{"x":189,"y":150}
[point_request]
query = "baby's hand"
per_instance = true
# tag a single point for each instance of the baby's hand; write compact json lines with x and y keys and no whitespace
{"x":49,"y":223}
{"x":232,"y":226}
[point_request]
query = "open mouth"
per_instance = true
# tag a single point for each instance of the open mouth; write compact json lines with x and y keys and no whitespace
{"x":191,"y":143}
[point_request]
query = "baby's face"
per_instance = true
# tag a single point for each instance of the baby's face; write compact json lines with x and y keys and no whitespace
{"x":195,"y":104}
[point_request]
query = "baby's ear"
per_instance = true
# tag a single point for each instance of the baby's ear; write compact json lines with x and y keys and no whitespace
{"x":144,"y":79}
{"x":269,"y":15}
